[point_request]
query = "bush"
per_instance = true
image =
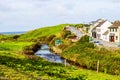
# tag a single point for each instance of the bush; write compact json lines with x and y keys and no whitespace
{"x":71,"y":36}
{"x":78,"y":77}
{"x":85,"y":54}
{"x":65,"y":33}
{"x":49,"y":38}
{"x":84,"y":39}
{"x":62,"y":46}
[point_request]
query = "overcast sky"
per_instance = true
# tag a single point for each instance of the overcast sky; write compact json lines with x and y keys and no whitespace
{"x":24,"y":15}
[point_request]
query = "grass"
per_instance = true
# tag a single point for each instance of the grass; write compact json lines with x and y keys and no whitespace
{"x":13,"y":46}
{"x":86,"y":55}
{"x":53,"y":30}
{"x":16,"y":66}
{"x":93,"y":75}
{"x":3,"y":37}
{"x":32,"y":69}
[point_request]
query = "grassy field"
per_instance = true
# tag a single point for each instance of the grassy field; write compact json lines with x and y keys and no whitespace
{"x":3,"y":37}
{"x":15,"y":65}
{"x":13,"y":46}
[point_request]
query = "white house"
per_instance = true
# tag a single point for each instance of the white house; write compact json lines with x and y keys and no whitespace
{"x":93,"y":25}
{"x":106,"y":36}
{"x":102,"y":30}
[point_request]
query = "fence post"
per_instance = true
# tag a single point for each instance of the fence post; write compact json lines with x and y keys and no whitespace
{"x":98,"y":62}
{"x":65,"y":62}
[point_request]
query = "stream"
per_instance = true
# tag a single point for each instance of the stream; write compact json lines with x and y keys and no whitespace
{"x":45,"y":53}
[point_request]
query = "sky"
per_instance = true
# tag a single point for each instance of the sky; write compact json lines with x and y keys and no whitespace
{"x":25,"y":15}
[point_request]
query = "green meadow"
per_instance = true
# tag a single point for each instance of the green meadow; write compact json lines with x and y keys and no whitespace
{"x":16,"y":65}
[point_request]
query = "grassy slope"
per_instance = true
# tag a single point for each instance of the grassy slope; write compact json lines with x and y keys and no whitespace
{"x":11,"y":50}
{"x":43,"y":32}
{"x":3,"y":37}
{"x":86,"y":55}
{"x":14,"y":65}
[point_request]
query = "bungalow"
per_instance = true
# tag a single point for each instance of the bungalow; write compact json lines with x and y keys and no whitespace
{"x":114,"y":32}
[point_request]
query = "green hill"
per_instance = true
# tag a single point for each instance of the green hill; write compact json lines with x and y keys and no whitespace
{"x":15,"y":65}
{"x":41,"y":32}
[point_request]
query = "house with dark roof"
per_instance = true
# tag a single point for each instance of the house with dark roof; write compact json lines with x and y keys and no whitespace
{"x":114,"y":32}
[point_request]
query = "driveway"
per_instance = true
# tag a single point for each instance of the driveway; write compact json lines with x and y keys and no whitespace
{"x":106,"y":44}
{"x":76,"y":31}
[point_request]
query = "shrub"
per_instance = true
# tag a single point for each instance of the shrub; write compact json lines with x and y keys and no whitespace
{"x":71,"y":36}
{"x":78,"y":77}
{"x":49,"y":38}
{"x":84,"y":39}
{"x":65,"y":33}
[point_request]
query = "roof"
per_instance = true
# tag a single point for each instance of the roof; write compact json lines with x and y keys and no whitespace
{"x":106,"y":32}
{"x":94,"y":30}
{"x":116,"y":24}
{"x":100,"y":20}
{"x":97,"y":21}
{"x":100,"y":23}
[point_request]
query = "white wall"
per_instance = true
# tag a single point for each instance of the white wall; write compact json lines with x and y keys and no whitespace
{"x":104,"y":28}
{"x":91,"y":27}
{"x":106,"y":38}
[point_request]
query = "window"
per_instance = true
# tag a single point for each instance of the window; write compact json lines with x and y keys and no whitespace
{"x":116,"y":37}
{"x":110,"y":30}
{"x":98,"y":30}
{"x":115,"y":30}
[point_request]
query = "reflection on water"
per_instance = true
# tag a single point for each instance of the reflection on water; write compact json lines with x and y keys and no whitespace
{"x":45,"y":53}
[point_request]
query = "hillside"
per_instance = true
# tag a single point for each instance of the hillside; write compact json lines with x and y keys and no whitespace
{"x":86,"y":55}
{"x":16,"y":64}
{"x":42,"y":32}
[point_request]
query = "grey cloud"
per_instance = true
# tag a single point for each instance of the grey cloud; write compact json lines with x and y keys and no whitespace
{"x":116,"y":1}
{"x":31,"y":14}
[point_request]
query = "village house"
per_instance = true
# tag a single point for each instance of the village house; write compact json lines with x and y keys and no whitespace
{"x":100,"y":31}
{"x":114,"y":32}
{"x":93,"y":24}
{"x":106,"y":36}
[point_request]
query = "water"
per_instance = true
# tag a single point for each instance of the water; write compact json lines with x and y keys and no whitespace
{"x":6,"y":33}
{"x":45,"y":53}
